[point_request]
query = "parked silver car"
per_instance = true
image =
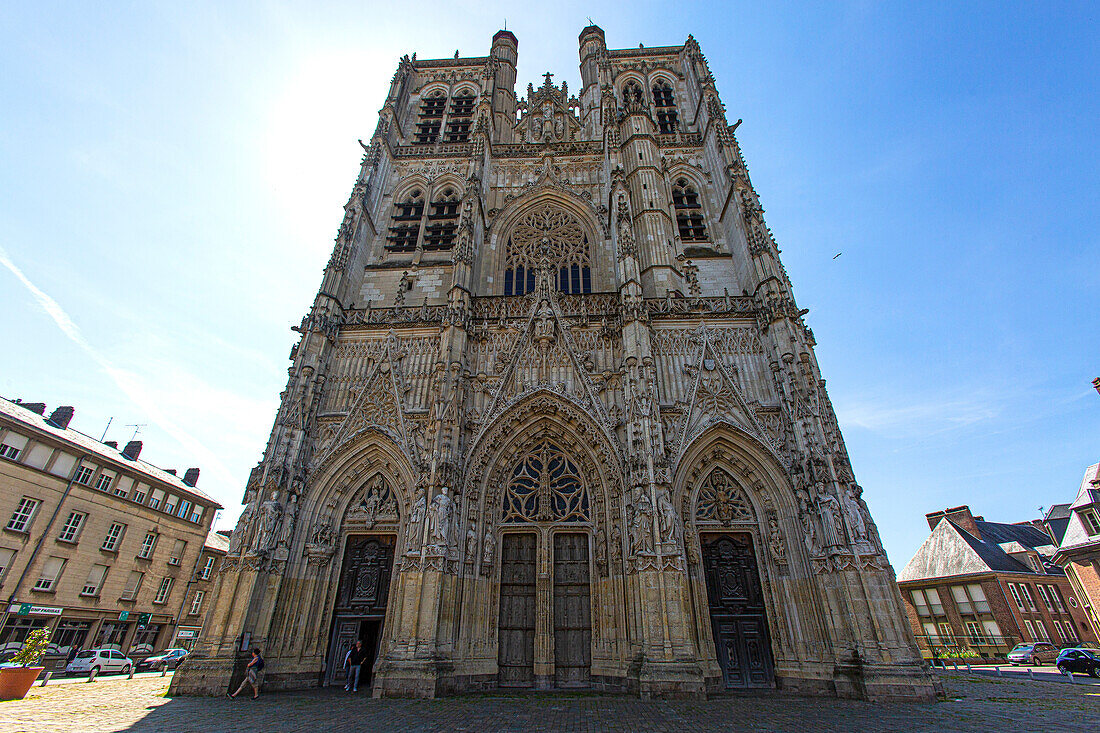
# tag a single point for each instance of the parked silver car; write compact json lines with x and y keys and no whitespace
{"x":103,"y":661}
{"x":1033,"y":652}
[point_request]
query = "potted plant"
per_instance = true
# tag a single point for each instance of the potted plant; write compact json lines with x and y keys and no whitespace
{"x":17,"y":676}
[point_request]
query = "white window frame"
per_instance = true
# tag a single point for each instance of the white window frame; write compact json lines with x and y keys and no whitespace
{"x":93,"y":585}
{"x":208,"y":568}
{"x":9,"y":451}
{"x":975,"y":634}
{"x":1090,"y":522}
{"x":178,"y":550}
{"x":1015,"y":595}
{"x":183,"y":509}
{"x":1043,"y":594}
{"x":977,"y":597}
{"x":963,"y":604}
{"x":196,"y":514}
{"x":140,"y":493}
{"x":129,"y":594}
{"x":84,"y":475}
{"x":1057,"y":596}
{"x":104,"y":482}
{"x":196,"y":602}
{"x":163,"y":592}
{"x":1027,"y":594}
{"x":170,"y":503}
{"x":23,"y":515}
{"x":1030,"y":631}
{"x":113,"y":539}
{"x":6,"y":561}
{"x":46,"y":583}
{"x":148,"y":547}
{"x":70,"y":532}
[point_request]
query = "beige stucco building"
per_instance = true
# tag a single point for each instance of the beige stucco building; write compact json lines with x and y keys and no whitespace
{"x":554,"y":419}
{"x":101,"y":547}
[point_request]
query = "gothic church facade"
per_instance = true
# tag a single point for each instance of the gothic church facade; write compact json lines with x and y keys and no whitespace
{"x":554,"y":419}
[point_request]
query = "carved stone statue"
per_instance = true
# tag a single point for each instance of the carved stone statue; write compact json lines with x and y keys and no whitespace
{"x":544,"y":323}
{"x":854,"y":513}
{"x":668,"y":523}
{"x":440,"y":516}
{"x":809,"y":527}
{"x":471,"y":543}
{"x":641,"y":526}
{"x":286,"y":531}
{"x":322,"y":533}
{"x":488,"y":547}
{"x":416,"y":519}
{"x":270,"y":512}
{"x":831,"y":518}
{"x":244,"y":523}
{"x":776,"y":543}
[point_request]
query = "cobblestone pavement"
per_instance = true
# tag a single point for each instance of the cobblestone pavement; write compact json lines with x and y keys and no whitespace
{"x":973,"y":704}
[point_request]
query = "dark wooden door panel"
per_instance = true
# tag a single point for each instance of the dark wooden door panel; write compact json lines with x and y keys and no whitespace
{"x":572,"y":611}
{"x":516,"y":654}
{"x":737,"y":611}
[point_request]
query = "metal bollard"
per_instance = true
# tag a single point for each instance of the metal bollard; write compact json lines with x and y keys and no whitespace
{"x":131,"y":675}
{"x":92,"y":674}
{"x":968,"y":668}
{"x":164,"y":671}
{"x":998,"y":671}
{"x":1072,"y":679}
{"x":1031,"y":674}
{"x":954,"y":665}
{"x":46,"y":679}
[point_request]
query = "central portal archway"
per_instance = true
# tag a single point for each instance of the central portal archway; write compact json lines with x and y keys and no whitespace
{"x":544,"y":622}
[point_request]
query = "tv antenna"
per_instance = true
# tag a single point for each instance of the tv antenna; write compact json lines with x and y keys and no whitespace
{"x":137,"y":428}
{"x":104,"y":436}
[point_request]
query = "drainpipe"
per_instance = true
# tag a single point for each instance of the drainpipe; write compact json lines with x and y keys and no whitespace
{"x":41,"y":539}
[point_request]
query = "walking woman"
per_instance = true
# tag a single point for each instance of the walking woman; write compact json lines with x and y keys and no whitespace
{"x":253,"y":675}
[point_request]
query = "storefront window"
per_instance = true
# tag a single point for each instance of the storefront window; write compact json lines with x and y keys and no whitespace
{"x":145,"y":640}
{"x":110,"y":636}
{"x":69,"y":635}
{"x":15,"y":631}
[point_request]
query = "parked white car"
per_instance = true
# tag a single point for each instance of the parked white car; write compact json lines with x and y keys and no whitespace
{"x":103,"y":661}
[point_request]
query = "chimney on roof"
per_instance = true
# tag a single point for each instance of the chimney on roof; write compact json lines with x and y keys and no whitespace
{"x":112,"y":443}
{"x":170,"y":470}
{"x":191,"y":476}
{"x":132,"y":450}
{"x":39,"y":407}
{"x":62,"y":416}
{"x":960,"y":516}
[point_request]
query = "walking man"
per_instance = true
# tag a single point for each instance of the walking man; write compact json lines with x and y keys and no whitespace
{"x":253,"y":675}
{"x":353,"y":662}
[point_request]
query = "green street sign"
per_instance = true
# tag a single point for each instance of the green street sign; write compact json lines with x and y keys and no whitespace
{"x":123,"y":615}
{"x":143,"y":618}
{"x":24,"y":609}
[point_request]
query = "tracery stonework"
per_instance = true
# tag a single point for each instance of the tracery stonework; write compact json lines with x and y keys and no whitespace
{"x":537,"y":434}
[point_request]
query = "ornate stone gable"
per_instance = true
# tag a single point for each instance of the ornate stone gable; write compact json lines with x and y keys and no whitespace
{"x":715,"y":397}
{"x":547,"y":116}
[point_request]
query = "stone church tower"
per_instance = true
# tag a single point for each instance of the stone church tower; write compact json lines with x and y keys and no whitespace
{"x":554,"y":418}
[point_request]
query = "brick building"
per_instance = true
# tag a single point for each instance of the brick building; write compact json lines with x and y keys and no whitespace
{"x":101,"y":547}
{"x":986,"y":586}
{"x":1078,"y":532}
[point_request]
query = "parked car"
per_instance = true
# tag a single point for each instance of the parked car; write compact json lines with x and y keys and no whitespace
{"x":170,"y":658}
{"x":1033,"y":652}
{"x":1081,"y":661}
{"x":104,"y":661}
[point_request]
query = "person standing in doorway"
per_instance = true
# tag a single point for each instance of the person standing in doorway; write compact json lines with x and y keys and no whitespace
{"x":353,"y":662}
{"x":253,"y":675}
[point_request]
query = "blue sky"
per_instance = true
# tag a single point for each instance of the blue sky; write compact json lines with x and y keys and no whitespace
{"x":173,"y":175}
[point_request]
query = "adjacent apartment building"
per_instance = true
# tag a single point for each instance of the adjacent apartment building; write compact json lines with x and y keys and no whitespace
{"x":982,"y":587}
{"x":1076,"y":526}
{"x":101,"y":547}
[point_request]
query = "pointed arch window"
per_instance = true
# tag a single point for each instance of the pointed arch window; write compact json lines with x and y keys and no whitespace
{"x":460,"y":118}
{"x":689,"y":212}
{"x":545,"y":485}
{"x":547,"y":232}
{"x":432,"y":108}
{"x":442,"y":222}
{"x":665,"y":105}
{"x":405,"y":230}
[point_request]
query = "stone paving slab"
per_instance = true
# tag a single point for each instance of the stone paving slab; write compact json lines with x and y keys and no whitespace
{"x":973,"y":703}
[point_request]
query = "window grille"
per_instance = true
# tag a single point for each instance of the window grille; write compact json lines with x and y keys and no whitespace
{"x":689,"y":212}
{"x":71,"y":528}
{"x":666,"y":108}
{"x":21,"y":517}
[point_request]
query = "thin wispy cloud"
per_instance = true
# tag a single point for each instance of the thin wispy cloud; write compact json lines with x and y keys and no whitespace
{"x":918,"y":416}
{"x":127,"y":382}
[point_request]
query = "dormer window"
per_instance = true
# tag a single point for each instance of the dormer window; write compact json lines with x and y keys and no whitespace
{"x":1089,"y":520}
{"x":665,"y":106}
{"x":689,"y":212}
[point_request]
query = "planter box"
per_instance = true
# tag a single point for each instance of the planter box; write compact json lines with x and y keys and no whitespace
{"x":15,"y":681}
